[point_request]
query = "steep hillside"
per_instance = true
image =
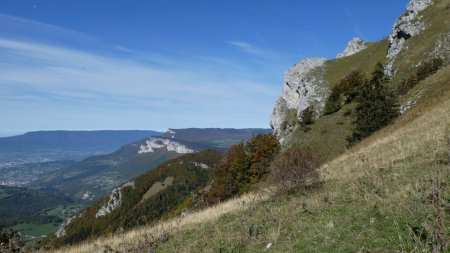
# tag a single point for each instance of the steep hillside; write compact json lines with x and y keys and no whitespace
{"x":144,"y":199}
{"x":65,"y":145}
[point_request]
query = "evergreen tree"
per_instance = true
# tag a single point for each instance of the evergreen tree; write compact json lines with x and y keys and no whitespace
{"x":376,"y":108}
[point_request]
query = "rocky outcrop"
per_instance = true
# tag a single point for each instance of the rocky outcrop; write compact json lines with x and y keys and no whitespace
{"x":201,"y":165}
{"x":408,"y":25}
{"x":115,"y":200}
{"x":157,"y":143}
{"x":169,"y":134}
{"x":62,"y":228}
{"x":304,"y":86}
{"x":442,"y":48}
{"x":354,"y":46}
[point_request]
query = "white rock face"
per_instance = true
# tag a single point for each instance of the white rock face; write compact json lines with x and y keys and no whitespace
{"x":157,"y":143}
{"x":201,"y":165}
{"x":442,"y":48}
{"x":115,"y":200}
{"x":406,"y":26}
{"x":301,"y":89}
{"x":169,"y":134}
{"x":354,"y":46}
{"x":62,"y":228}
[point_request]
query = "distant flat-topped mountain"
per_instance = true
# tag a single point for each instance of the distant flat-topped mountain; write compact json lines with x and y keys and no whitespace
{"x":66,"y":145}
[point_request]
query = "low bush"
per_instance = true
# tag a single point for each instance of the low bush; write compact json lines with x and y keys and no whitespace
{"x":294,"y":170}
{"x":425,"y":70}
{"x":10,"y":241}
{"x":345,"y":91}
{"x":242,"y":168}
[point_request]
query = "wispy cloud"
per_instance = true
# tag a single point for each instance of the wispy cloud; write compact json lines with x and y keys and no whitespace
{"x":53,"y":78}
{"x":251,"y":49}
{"x":10,"y":23}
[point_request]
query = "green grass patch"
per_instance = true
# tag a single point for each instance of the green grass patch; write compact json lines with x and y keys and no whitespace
{"x":32,"y":232}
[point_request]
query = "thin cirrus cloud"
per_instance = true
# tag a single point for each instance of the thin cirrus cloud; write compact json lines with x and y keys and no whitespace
{"x":253,"y":50}
{"x":80,"y":89}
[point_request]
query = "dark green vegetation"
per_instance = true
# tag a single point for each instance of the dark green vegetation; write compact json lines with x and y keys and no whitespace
{"x":28,"y":211}
{"x":344,"y":92}
{"x":376,"y":106}
{"x":18,"y":205}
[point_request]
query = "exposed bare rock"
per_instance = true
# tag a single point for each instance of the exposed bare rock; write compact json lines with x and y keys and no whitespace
{"x":115,"y":200}
{"x":201,"y":165}
{"x":304,"y":86}
{"x":156,"y":143}
{"x":354,"y":46}
{"x":406,"y":26}
{"x":62,"y":228}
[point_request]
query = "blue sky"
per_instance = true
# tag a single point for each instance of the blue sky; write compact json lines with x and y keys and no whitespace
{"x":86,"y":65}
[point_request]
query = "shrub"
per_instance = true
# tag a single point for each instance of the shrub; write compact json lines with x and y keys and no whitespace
{"x":10,"y":241}
{"x":428,"y":68}
{"x":333,"y":103}
{"x":425,"y":70}
{"x":307,"y":118}
{"x":294,"y":170}
{"x":243,"y":166}
{"x":262,"y":150}
{"x":345,"y":91}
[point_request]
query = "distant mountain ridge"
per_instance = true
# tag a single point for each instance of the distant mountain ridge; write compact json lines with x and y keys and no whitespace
{"x":66,"y":145}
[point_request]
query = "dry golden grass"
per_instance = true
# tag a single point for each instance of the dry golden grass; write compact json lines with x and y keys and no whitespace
{"x":208,"y":214}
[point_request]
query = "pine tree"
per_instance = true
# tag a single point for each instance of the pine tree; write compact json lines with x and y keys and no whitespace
{"x":376,"y":108}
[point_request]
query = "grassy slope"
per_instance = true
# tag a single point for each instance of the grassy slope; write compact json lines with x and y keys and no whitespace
{"x":372,"y":198}
{"x":327,"y":136}
{"x":418,"y":48}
